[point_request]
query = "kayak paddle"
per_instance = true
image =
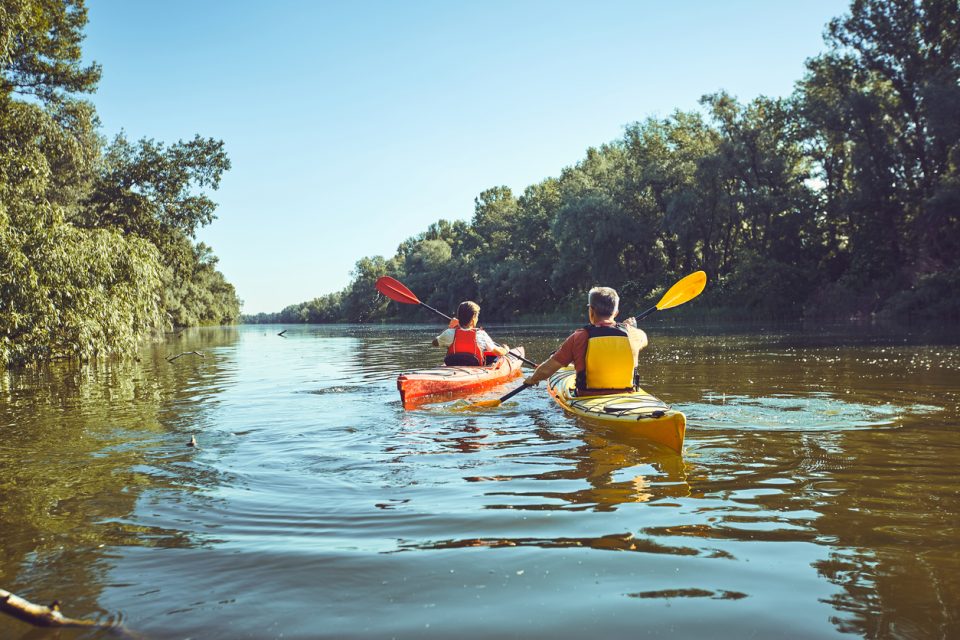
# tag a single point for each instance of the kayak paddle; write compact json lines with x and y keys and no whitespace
{"x":395,"y":290}
{"x":684,"y":290}
{"x":496,"y":402}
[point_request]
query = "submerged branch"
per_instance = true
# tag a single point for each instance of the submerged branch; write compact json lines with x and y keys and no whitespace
{"x":44,"y":616}
{"x":185,"y":353}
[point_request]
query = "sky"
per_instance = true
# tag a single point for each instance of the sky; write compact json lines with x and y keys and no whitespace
{"x":352,"y":126}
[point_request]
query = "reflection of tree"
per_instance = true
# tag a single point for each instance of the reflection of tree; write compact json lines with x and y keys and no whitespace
{"x":81,"y":446}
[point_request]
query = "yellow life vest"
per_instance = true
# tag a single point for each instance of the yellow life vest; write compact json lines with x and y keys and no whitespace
{"x":609,"y":360}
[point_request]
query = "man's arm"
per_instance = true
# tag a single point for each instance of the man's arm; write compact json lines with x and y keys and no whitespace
{"x":544,"y":371}
{"x":638,"y":337}
{"x":560,"y":358}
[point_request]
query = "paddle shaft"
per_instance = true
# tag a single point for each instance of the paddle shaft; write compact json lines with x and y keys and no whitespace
{"x":515,"y":392}
{"x":525,"y":386}
{"x":646,"y":313}
{"x":424,"y":304}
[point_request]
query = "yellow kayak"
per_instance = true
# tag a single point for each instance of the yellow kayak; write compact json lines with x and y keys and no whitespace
{"x":631,"y":415}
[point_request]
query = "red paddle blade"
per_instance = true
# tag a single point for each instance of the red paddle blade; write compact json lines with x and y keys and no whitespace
{"x":395,"y":290}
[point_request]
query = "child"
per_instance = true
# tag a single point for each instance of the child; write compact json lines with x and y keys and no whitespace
{"x":466,"y":344}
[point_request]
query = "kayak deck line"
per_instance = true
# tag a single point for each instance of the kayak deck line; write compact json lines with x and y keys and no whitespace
{"x":635,"y":414}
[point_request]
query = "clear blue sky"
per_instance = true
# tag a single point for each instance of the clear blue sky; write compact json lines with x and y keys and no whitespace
{"x":354,"y":125}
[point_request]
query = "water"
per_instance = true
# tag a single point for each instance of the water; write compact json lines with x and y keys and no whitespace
{"x":817,"y":494}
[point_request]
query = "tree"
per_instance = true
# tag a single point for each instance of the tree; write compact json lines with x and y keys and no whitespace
{"x":40,"y":51}
{"x":361,"y":302}
{"x":147,"y":188}
{"x":64,"y":291}
{"x":880,"y":112}
{"x":91,"y":243}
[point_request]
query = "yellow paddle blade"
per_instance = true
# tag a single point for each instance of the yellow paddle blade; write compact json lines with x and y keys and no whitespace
{"x":487,"y":404}
{"x":473,"y":406}
{"x":684,"y":290}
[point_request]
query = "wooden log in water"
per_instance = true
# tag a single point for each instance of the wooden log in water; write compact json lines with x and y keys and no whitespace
{"x":44,"y":616}
{"x":41,"y":615}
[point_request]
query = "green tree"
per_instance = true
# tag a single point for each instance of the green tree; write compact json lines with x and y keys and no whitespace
{"x":64,"y":291}
{"x":361,"y":301}
{"x":40,"y":52}
{"x":147,"y":189}
{"x":150,"y":190}
{"x":880,"y":112}
{"x":91,"y":242}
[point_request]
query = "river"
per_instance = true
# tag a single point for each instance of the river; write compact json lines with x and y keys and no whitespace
{"x":817,"y":494}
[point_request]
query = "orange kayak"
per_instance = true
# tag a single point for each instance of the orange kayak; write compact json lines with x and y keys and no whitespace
{"x":424,"y":385}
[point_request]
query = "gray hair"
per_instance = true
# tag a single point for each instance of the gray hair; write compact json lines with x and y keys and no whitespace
{"x":604,"y":300}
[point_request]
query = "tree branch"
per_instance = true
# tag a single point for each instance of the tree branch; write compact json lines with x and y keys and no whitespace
{"x":43,"y":616}
{"x":186,"y":353}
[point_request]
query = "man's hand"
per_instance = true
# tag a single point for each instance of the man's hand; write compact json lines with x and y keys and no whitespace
{"x":632,"y":321}
{"x":529,"y":381}
{"x":454,"y":323}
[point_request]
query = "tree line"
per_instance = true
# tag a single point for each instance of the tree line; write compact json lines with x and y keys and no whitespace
{"x":97,"y":245}
{"x":841,"y":200}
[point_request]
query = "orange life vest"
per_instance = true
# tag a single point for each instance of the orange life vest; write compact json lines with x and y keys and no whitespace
{"x":465,"y":341}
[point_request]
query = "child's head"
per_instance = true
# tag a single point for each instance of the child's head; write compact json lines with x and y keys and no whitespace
{"x":467,"y":313}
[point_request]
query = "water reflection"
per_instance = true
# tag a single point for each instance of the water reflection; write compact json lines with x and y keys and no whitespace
{"x":817,"y":474}
{"x":82,"y":447}
{"x":784,"y":456}
{"x":613,"y":472}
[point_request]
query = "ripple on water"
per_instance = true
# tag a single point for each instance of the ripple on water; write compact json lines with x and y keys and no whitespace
{"x":338,"y":389}
{"x":810,"y":412}
{"x":316,"y":506}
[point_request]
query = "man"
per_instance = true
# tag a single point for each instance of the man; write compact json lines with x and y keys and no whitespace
{"x":604,"y":352}
{"x":466,"y":344}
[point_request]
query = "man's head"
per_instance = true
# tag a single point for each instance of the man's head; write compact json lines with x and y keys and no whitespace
{"x":604,"y":302}
{"x":467,"y":313}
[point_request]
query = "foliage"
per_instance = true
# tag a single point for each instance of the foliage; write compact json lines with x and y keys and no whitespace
{"x":96,"y":247}
{"x":40,"y":49}
{"x":841,"y":201}
{"x":145,"y":189}
{"x":932,"y":299}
